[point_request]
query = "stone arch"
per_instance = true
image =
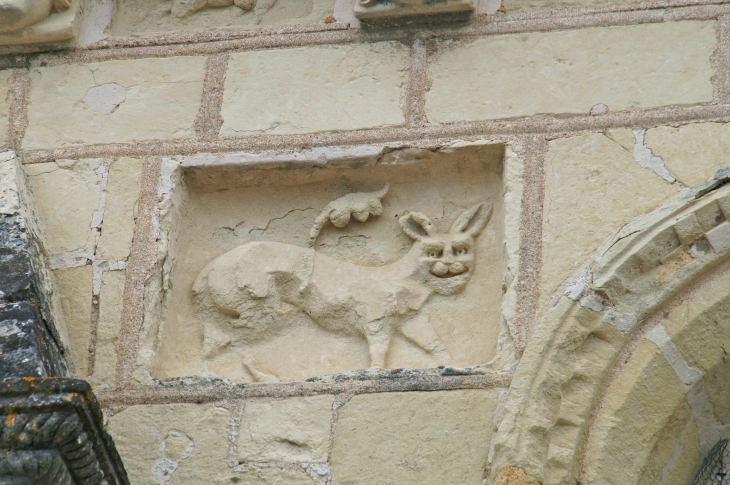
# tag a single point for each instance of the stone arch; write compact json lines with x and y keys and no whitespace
{"x":599,"y":328}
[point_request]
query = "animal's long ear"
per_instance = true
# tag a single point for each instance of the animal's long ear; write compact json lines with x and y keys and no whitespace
{"x":416,"y":225}
{"x":478,"y":222}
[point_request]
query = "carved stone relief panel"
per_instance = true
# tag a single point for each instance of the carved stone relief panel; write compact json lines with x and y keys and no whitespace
{"x":152,"y":17}
{"x":296,"y":271}
{"x":37,"y":21}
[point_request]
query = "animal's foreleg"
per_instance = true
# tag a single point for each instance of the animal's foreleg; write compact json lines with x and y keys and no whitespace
{"x":419,"y":331}
{"x":378,"y":336}
{"x":252,"y":367}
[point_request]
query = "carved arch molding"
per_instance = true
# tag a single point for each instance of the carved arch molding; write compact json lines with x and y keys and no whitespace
{"x":627,"y":377}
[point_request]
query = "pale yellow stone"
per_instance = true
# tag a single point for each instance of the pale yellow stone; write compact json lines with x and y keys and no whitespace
{"x":66,"y":199}
{"x":150,"y":17}
{"x":314,"y":89}
{"x":6,"y":96}
{"x":139,"y":431}
{"x":119,"y":212}
{"x":292,"y":430}
{"x":527,"y":5}
{"x":107,"y":332}
{"x":568,"y":72}
{"x":686,"y":467}
{"x":428,"y":438}
{"x":641,"y":418}
{"x":161,"y":97}
{"x":623,"y":136}
{"x":72,"y":292}
{"x":592,"y":186}
{"x":254,"y":475}
{"x":692,"y":153}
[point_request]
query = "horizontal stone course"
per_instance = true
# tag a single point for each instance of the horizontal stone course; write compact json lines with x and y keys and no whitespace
{"x":569,"y":72}
{"x":312,"y":89}
{"x":121,"y":101}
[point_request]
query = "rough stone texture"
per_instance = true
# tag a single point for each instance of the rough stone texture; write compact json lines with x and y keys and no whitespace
{"x":569,"y":72}
{"x":686,"y":467}
{"x":6,"y":81}
{"x":120,"y":208}
{"x":290,"y":430}
{"x":66,"y":194}
{"x":527,"y":5}
{"x":161,"y":102}
{"x":253,"y":475}
{"x":150,"y":17}
{"x":692,"y":153}
{"x":315,"y":89}
{"x":429,"y":438}
{"x":645,"y":397}
{"x":47,"y":21}
{"x":139,"y":432}
{"x":592,"y":186}
{"x":512,"y":475}
{"x":110,"y":315}
{"x":72,"y":295}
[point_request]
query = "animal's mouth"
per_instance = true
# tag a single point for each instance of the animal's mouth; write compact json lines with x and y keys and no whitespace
{"x":450,"y":275}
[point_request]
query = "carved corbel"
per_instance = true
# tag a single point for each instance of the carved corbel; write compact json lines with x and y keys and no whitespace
{"x":37,"y":21}
{"x":400,"y":11}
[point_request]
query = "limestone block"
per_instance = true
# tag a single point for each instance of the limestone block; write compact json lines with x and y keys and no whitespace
{"x":527,"y":5}
{"x":179,"y":444}
{"x":642,"y":416}
{"x":718,"y":392}
{"x":150,"y":17}
{"x":6,"y":84}
{"x":592,"y":186}
{"x":683,"y":470}
{"x":77,"y":104}
{"x":569,"y":72}
{"x":110,"y":317}
{"x":119,"y":211}
{"x":253,"y":475}
{"x":66,"y":193}
{"x":692,"y":153}
{"x":72,"y":289}
{"x":291,"y":430}
{"x":429,"y":438}
{"x":315,"y":89}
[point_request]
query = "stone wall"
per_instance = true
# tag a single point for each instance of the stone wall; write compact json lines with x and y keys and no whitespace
{"x":588,"y":345}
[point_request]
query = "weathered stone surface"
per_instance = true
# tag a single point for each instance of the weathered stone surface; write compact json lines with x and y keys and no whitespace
{"x":119,"y":212}
{"x":692,"y":153}
{"x":512,"y":475}
{"x":6,"y":81}
{"x":429,"y":438}
{"x":36,"y":21}
{"x":646,"y":396}
{"x":686,"y":467}
{"x":72,"y":293}
{"x":160,"y":102}
{"x":315,"y":89}
{"x":527,"y":5}
{"x":592,"y":186}
{"x":291,"y":430}
{"x":66,"y":193}
{"x":110,"y":317}
{"x":150,"y":17}
{"x":569,"y":72}
{"x":179,"y":444}
{"x":392,"y":12}
{"x":253,"y":475}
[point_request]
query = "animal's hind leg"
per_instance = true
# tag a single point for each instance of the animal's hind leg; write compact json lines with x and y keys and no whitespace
{"x":252,"y":367}
{"x":378,"y":336}
{"x":419,"y":331}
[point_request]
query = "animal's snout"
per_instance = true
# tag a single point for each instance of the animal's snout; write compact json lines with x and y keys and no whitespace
{"x":448,"y":269}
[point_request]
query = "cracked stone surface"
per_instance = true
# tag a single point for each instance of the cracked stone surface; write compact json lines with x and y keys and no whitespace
{"x":693,"y":152}
{"x":592,"y":186}
{"x":161,"y":102}
{"x":6,"y":80}
{"x":315,"y":89}
{"x":119,"y":210}
{"x":623,"y":67}
{"x":139,"y":432}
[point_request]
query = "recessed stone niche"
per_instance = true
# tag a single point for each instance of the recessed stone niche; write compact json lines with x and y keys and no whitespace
{"x":408,"y":268}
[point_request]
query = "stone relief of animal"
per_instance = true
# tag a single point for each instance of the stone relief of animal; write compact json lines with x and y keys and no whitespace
{"x":18,"y":14}
{"x":184,"y":8}
{"x":261,"y":288}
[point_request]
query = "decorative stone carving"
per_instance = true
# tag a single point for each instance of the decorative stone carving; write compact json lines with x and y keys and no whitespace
{"x":183,"y":8}
{"x":261,"y":287}
{"x":377,"y":11}
{"x":37,"y":21}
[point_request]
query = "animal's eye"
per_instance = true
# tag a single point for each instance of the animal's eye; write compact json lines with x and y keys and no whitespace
{"x":433,"y":254}
{"x":461,"y":251}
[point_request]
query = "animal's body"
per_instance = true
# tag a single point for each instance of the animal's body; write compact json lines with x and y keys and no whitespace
{"x":260,"y":286}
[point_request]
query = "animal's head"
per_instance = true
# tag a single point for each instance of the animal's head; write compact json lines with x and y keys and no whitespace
{"x":446,"y":260}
